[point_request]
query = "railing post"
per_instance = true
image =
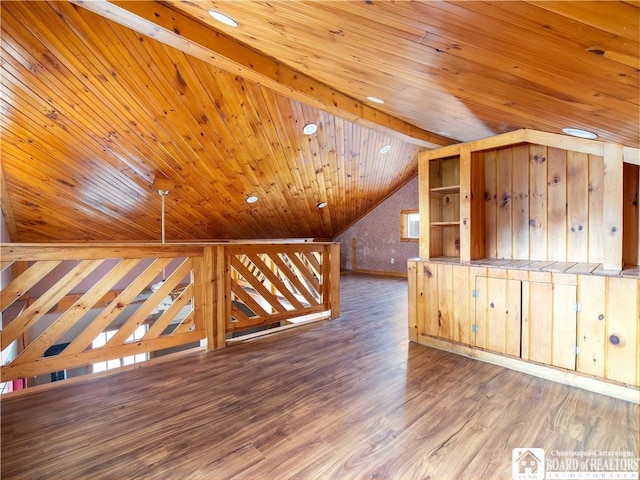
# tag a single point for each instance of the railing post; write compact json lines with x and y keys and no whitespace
{"x":222,"y":285}
{"x":213,"y":307}
{"x":334,"y":279}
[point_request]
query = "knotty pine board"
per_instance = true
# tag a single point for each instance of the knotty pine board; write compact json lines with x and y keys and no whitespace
{"x":605,"y":327}
{"x":545,"y":203}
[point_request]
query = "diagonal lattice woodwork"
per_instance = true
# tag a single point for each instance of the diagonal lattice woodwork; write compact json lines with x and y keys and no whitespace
{"x":42,"y":313}
{"x":271,"y":285}
{"x":77,"y":305}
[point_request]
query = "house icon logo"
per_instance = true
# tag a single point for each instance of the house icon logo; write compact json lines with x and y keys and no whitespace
{"x":528,"y":463}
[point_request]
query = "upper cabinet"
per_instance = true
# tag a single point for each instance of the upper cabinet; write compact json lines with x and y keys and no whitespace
{"x":532,"y":196}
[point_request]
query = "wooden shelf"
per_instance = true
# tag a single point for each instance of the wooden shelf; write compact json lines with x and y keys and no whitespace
{"x":442,"y":191}
{"x":445,"y":224}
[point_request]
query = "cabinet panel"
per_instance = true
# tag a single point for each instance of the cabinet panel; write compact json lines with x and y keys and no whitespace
{"x":445,"y":300}
{"x":428,"y":315}
{"x":549,"y":324}
{"x":564,"y":327}
{"x":462,"y":313}
{"x":622,"y":349}
{"x":446,"y":308}
{"x":537,"y":322}
{"x":591,"y":325}
{"x":498,"y":315}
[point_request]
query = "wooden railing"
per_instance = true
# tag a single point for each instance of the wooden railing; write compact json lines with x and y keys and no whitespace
{"x":268,"y":282}
{"x":147,"y":298}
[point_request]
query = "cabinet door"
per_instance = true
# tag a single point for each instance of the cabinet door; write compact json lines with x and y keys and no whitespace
{"x":445,"y":310}
{"x":549,"y":324}
{"x":498,"y":315}
{"x":623,"y":328}
{"x":609,"y":328}
{"x":592,"y":325}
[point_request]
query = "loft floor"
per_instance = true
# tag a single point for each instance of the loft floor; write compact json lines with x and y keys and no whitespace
{"x":342,"y":399}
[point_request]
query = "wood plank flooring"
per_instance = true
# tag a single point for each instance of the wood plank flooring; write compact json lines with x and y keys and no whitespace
{"x":349,"y":398}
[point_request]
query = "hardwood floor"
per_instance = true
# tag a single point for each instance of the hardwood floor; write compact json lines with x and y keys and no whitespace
{"x":344,"y":399}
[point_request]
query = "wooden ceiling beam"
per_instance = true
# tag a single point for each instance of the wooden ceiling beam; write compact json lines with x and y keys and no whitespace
{"x":174,"y":29}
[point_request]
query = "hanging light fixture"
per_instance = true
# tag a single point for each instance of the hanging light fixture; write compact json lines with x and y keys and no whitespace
{"x":163,"y":185}
{"x":162,"y":193}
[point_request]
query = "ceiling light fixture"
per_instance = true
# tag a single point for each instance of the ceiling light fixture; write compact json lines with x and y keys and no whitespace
{"x":446,"y":134}
{"x":252,"y":199}
{"x":310,"y":129}
{"x":322,"y":204}
{"x":222,"y":18}
{"x":577,"y":132}
{"x":385,"y":149}
{"x":375,"y":100}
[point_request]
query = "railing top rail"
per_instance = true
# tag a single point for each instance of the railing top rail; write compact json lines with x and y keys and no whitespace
{"x":13,"y":252}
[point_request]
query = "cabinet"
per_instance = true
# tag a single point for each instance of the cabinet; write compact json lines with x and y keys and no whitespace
{"x":582,"y":323}
{"x":529,"y":256}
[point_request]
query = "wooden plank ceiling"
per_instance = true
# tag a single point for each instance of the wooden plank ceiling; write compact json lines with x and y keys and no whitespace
{"x":100,"y":98}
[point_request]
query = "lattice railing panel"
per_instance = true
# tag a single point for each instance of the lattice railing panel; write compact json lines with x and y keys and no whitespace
{"x":270,"y":286}
{"x":60,"y":321}
{"x":73,"y":305}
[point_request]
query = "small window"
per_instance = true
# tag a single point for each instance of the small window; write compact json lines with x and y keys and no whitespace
{"x":102,"y":339}
{"x":409,"y":225}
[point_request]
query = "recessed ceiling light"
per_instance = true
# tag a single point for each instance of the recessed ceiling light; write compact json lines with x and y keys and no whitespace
{"x":576,"y":132}
{"x":310,"y":129}
{"x":385,"y":149}
{"x":252,"y":199}
{"x":375,"y":100}
{"x":322,"y":204}
{"x":446,"y":134}
{"x":222,"y":18}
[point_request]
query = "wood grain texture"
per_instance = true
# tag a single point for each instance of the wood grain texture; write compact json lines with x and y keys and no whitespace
{"x":93,"y":110}
{"x":455,"y":43}
{"x":350,"y":398}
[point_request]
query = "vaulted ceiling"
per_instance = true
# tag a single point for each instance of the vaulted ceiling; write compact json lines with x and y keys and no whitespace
{"x":100,"y":98}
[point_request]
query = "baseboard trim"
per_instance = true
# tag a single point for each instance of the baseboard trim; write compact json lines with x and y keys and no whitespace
{"x":565,"y":377}
{"x":381,"y":273}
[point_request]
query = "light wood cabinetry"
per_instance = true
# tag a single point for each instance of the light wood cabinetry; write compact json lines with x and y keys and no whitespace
{"x":529,"y":253}
{"x":443,"y":221}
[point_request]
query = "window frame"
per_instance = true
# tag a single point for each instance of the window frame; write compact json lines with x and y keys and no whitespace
{"x":404,"y":225}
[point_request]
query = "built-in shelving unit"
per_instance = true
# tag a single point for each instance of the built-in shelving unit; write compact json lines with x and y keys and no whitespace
{"x":444,"y":206}
{"x":532,"y":196}
{"x":530,"y":257}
